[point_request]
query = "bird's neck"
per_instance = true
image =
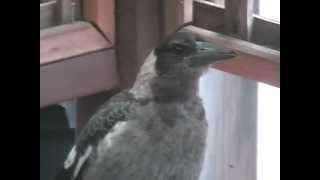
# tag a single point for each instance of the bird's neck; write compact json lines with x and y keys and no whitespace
{"x":170,"y":89}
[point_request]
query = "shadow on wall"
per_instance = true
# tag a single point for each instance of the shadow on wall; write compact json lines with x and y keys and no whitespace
{"x":56,"y":139}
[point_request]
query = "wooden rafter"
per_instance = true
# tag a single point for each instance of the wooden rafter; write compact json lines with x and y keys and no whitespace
{"x":75,"y":61}
{"x":255,"y":62}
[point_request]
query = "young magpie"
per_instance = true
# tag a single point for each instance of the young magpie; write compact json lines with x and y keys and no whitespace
{"x":157,"y":129}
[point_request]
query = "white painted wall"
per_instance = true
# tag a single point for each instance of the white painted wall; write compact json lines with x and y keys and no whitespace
{"x":270,"y":9}
{"x":268,"y":132}
{"x":230,"y":102}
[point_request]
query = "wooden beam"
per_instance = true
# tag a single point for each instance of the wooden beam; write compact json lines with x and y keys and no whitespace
{"x":70,"y":40}
{"x":48,"y":14}
{"x":77,"y":77}
{"x":254,"y":62}
{"x":75,"y":61}
{"x":138,"y":31}
{"x":102,"y":14}
{"x":238,"y":18}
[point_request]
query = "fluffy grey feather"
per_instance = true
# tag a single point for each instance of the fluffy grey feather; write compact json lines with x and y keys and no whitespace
{"x":156,"y":130}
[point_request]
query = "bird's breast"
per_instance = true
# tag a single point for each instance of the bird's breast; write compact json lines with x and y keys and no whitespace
{"x":147,"y":148}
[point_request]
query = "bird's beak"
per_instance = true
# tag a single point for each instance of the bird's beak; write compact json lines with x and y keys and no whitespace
{"x":209,"y":54}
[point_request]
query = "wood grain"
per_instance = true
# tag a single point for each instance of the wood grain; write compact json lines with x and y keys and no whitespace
{"x":70,"y":40}
{"x":77,"y":77}
{"x":231,"y":108}
{"x":102,"y":14}
{"x":238,"y":17}
{"x":255,"y":62}
{"x":138,"y":32}
{"x":209,"y":16}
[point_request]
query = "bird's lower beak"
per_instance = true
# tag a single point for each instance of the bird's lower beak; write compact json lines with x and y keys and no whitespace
{"x":209,"y":54}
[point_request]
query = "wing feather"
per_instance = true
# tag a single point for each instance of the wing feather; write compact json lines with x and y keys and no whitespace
{"x":113,"y":112}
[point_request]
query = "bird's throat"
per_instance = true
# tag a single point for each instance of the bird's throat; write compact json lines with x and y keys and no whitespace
{"x":172,"y":89}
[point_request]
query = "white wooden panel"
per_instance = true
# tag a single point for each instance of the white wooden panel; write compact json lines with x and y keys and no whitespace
{"x":231,"y":108}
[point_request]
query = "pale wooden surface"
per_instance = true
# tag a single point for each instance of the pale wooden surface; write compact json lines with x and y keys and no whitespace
{"x":231,"y":109}
{"x":77,"y":77}
{"x":254,"y":62}
{"x":102,"y":14}
{"x":70,"y":40}
{"x":238,"y":45}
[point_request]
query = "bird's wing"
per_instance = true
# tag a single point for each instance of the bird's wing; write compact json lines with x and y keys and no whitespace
{"x":109,"y":116}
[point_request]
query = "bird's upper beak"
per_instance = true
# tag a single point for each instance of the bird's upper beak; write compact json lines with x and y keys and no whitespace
{"x":208,"y":54}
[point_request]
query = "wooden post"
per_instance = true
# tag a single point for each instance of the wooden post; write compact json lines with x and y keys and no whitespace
{"x":138,"y":32}
{"x":238,"y":17}
{"x":101,"y":13}
{"x":65,"y":11}
{"x":175,"y":14}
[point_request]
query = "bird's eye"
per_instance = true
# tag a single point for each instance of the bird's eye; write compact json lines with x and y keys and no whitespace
{"x":178,"y":48}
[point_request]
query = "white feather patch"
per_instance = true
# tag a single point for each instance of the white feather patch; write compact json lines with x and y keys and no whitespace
{"x":82,"y":160}
{"x":71,"y":158}
{"x":109,"y":140}
{"x":147,"y":71}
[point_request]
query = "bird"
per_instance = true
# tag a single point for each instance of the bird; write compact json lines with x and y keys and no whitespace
{"x":157,"y":129}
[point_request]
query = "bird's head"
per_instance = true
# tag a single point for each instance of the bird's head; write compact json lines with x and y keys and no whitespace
{"x":187,"y":54}
{"x":180,"y":61}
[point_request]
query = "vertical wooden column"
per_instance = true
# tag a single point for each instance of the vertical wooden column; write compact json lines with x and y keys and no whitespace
{"x":102,"y":14}
{"x":138,"y":32}
{"x":65,"y":12}
{"x":175,"y":14}
{"x":238,"y":18}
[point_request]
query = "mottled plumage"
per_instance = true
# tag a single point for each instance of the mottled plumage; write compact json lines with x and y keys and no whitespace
{"x":157,"y":129}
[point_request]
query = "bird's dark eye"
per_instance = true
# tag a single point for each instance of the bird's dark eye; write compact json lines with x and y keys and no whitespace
{"x":178,"y":48}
